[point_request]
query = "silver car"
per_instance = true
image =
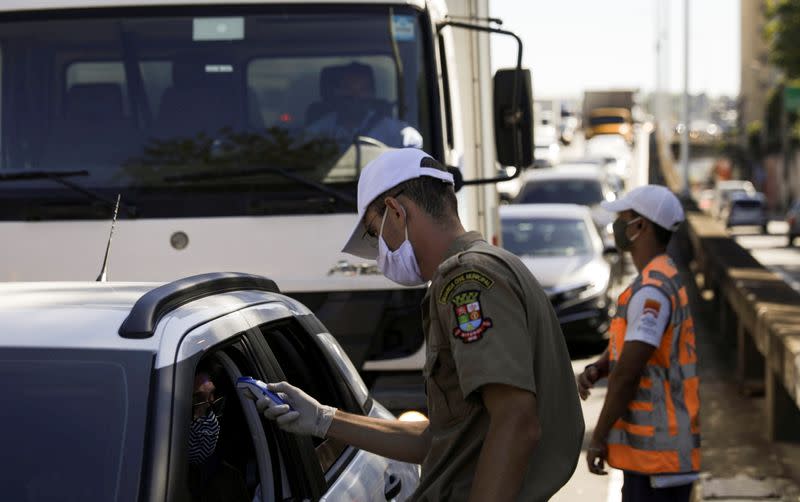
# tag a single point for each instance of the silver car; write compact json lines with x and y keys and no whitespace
{"x":561,"y":247}
{"x":101,"y":386}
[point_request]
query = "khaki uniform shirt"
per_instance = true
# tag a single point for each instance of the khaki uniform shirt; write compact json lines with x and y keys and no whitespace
{"x":487,"y":320}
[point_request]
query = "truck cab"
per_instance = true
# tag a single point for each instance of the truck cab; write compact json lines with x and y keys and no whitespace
{"x":234,"y":134}
{"x":610,"y":121}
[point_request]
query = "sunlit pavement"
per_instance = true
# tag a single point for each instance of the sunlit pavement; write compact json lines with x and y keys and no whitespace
{"x":584,"y":485}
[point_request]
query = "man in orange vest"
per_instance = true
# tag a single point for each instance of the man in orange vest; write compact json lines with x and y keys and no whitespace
{"x":649,"y":426}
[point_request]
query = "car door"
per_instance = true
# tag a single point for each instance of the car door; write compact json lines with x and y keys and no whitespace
{"x":311,"y":359}
{"x":272,"y":465}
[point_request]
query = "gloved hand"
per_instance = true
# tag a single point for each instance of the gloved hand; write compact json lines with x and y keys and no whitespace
{"x":306,"y":416}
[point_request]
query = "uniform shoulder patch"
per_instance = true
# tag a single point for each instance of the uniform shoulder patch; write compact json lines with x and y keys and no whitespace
{"x":464,"y":277}
{"x":471,"y":323}
{"x":651,"y":307}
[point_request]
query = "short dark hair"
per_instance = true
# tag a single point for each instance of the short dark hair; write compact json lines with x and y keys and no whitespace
{"x":434,"y":196}
{"x":211,"y":367}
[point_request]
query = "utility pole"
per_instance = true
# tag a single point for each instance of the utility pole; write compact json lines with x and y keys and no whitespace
{"x":685,"y":111}
{"x":663,"y":108}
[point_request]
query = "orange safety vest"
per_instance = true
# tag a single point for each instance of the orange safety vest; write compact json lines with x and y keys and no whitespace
{"x":659,"y":433}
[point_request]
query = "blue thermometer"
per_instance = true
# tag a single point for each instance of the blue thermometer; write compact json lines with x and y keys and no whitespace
{"x":257,"y":387}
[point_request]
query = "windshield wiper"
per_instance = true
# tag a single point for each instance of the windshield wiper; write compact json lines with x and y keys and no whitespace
{"x":242,"y":173}
{"x":60,"y":177}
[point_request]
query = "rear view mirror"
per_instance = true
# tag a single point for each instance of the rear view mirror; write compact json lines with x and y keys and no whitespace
{"x":513,"y":118}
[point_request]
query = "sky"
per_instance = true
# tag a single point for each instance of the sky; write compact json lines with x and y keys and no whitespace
{"x":573,"y":45}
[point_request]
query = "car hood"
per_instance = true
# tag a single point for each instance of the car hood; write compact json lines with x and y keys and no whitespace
{"x":558,"y":272}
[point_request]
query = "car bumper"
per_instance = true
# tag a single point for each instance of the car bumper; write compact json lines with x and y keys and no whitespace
{"x":587,"y":320}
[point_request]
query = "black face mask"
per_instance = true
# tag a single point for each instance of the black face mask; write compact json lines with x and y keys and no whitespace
{"x":621,"y":238}
{"x":203,"y":436}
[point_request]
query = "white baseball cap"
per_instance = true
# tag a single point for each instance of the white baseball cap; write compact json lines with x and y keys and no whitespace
{"x":654,"y":202}
{"x":385,"y":172}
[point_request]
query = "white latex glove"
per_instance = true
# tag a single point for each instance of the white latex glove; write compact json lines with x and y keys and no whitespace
{"x":306,"y":417}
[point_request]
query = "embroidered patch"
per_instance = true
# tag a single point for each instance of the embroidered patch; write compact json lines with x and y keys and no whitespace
{"x":471,"y":323}
{"x":651,"y":307}
{"x":471,"y":275}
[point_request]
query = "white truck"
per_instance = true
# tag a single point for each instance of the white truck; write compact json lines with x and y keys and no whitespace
{"x":234,"y":134}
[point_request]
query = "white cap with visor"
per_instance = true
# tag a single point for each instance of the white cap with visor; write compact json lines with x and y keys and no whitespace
{"x":384,"y":173}
{"x":654,"y":202}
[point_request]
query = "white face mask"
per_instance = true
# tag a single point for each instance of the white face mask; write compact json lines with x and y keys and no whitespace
{"x":400,"y":265}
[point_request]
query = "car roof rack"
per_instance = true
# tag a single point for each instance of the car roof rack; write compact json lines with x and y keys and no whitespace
{"x":155,"y":304}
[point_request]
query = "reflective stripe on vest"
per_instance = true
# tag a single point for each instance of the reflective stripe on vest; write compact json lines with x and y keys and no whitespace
{"x":660,"y":431}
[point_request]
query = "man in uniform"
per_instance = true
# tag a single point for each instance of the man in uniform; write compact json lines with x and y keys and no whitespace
{"x":504,"y":417}
{"x":649,"y":426}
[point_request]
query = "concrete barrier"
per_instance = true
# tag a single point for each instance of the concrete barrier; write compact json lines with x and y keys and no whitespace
{"x":758,"y":311}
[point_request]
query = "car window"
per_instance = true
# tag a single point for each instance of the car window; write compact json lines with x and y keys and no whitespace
{"x":606,"y":120}
{"x":585,"y":192}
{"x":306,"y":367}
{"x":747,"y":204}
{"x":546,"y":237}
{"x":74,"y":423}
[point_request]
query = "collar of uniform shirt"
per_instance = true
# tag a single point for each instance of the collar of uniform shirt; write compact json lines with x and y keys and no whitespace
{"x":461,"y":243}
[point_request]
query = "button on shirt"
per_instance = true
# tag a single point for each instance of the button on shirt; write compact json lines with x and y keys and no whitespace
{"x":487,"y":320}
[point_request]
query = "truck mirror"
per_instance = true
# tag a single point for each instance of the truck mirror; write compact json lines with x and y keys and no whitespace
{"x":513,"y":109}
{"x":513,"y":119}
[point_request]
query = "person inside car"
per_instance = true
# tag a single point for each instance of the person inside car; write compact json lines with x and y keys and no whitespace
{"x":350,"y":109}
{"x":211,"y":479}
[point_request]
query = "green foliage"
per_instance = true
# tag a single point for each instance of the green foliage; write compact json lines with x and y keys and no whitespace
{"x":275,"y":147}
{"x":754,"y":130}
{"x":782,"y":33}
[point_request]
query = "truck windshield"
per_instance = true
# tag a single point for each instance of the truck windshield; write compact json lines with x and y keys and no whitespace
{"x":596,"y":121}
{"x":158,"y":107}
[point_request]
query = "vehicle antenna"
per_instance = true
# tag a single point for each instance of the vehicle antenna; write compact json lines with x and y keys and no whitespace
{"x":103,"y":277}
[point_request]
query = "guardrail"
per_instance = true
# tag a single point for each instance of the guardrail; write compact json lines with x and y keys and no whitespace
{"x":754,"y":303}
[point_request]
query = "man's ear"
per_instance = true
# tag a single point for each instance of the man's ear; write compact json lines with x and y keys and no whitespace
{"x":393,"y":206}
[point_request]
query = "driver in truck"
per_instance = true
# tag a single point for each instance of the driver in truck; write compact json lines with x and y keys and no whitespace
{"x":505,"y":421}
{"x":349,"y":109}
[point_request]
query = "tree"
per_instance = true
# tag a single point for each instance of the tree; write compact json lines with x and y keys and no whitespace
{"x":782,"y":33}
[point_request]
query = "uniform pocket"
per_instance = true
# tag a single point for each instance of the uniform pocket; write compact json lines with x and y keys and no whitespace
{"x":446,"y":404}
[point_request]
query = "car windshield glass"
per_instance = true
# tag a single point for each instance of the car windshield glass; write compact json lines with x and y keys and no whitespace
{"x":606,"y":120}
{"x":586,"y":192}
{"x":74,"y":423}
{"x":546,"y":237}
{"x":315,"y":92}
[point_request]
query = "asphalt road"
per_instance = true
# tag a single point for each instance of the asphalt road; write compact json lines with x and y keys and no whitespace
{"x":772,"y":250}
{"x":583,"y":485}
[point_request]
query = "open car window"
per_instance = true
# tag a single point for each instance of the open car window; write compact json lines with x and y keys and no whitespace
{"x":305,"y":366}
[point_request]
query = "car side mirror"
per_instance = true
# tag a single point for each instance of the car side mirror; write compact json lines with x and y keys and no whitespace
{"x":513,"y":118}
